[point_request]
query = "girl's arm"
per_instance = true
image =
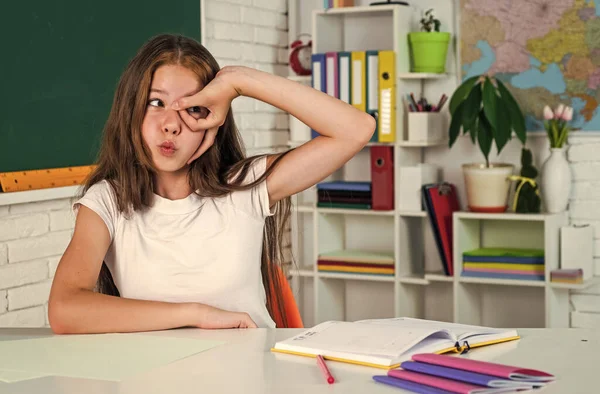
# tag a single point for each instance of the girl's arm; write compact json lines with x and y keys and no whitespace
{"x":344,"y":130}
{"x":74,"y":307}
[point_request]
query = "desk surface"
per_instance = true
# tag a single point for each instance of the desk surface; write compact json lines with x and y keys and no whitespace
{"x":245,"y":365}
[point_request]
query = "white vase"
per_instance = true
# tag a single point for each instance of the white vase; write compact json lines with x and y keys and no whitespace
{"x":556,"y":181}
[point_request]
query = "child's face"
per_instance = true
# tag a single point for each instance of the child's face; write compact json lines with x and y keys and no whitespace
{"x":171,"y":142}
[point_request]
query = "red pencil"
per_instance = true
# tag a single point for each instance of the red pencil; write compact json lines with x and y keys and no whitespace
{"x":324,"y":369}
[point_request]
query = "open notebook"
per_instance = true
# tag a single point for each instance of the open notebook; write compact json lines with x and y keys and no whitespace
{"x":385,"y":343}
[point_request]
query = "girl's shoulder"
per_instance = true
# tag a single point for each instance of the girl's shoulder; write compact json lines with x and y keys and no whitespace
{"x":100,"y":198}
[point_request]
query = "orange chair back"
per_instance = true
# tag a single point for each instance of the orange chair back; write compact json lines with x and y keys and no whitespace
{"x":294,"y":320}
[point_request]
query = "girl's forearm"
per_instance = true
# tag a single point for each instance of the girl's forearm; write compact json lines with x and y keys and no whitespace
{"x":85,"y":311}
{"x":327,"y":115}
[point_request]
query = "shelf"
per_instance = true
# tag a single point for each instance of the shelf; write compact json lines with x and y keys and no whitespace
{"x":576,"y":286}
{"x":506,"y":216}
{"x":54,"y":193}
{"x":416,"y":214}
{"x":413,"y":279}
{"x":304,"y":208}
{"x":303,"y":272}
{"x":373,"y":278}
{"x":358,"y":10}
{"x":419,"y":144}
{"x":421,"y":76}
{"x":366,"y":212}
{"x":503,"y":282}
{"x":380,"y":144}
{"x":439,"y":277}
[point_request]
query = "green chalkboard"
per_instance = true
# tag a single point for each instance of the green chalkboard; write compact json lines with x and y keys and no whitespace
{"x":60,"y":61}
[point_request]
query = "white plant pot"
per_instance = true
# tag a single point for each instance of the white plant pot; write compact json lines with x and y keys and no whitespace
{"x":556,"y":181}
{"x":487,"y":187}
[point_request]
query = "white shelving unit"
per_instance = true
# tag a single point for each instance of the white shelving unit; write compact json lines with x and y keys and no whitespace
{"x":419,"y":287}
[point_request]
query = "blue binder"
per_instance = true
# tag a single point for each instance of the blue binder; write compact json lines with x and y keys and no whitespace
{"x":318,"y":79}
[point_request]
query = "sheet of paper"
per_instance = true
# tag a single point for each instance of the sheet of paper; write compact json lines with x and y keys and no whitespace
{"x":17,"y":376}
{"x":111,"y":357}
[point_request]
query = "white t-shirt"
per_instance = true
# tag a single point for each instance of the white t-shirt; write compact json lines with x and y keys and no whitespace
{"x":205,"y":250}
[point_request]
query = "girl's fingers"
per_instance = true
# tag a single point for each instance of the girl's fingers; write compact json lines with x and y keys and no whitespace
{"x":196,"y":123}
{"x":207,"y":142}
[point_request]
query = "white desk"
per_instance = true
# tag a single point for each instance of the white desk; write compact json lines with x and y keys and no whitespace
{"x":246,"y":365}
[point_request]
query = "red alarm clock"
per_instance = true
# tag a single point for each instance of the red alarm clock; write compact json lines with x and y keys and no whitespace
{"x":300,"y":57}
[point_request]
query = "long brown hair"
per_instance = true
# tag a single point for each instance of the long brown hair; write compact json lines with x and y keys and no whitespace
{"x":125,"y":161}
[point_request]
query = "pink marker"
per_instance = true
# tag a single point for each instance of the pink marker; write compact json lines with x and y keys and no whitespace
{"x":324,"y":369}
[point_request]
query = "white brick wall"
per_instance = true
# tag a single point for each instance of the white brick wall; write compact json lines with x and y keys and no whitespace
{"x":584,"y":208}
{"x":252,"y":33}
{"x":33,"y":236}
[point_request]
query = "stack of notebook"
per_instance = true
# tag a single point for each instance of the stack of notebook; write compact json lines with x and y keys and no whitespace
{"x":344,"y":194}
{"x":356,"y":262}
{"x":434,"y":373}
{"x":504,"y":263}
{"x":567,"y":275}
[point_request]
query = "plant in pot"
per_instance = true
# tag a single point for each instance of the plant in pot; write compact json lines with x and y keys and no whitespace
{"x":485,"y":109}
{"x":429,"y":47}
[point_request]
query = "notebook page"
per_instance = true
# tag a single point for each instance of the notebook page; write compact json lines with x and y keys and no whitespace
{"x":459,"y":331}
{"x":367,"y":339}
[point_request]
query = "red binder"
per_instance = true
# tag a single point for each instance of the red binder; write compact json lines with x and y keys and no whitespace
{"x":441,"y":201}
{"x":382,"y":178}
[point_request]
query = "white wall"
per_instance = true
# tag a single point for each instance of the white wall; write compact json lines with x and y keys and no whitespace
{"x":252,"y":33}
{"x":33,"y":236}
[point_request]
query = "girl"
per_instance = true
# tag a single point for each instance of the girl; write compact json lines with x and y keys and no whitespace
{"x":175,"y":227}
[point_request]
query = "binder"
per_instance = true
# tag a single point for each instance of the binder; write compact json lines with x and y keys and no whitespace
{"x":441,"y":201}
{"x":382,"y":178}
{"x":359,"y":96}
{"x":331,"y":69}
{"x":372,"y":86}
{"x":318,"y":77}
{"x":344,"y":74}
{"x":386,"y":129}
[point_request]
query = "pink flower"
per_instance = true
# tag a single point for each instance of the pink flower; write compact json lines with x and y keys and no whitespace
{"x":548,"y":114}
{"x":559,"y":111}
{"x":568,"y":114}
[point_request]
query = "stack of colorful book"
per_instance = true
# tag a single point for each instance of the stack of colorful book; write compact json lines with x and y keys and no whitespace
{"x":435,"y":373}
{"x":504,"y":263}
{"x":356,"y":262}
{"x":344,"y":194}
{"x":567,"y":275}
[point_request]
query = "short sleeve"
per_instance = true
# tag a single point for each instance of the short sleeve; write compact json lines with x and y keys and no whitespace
{"x":101,"y":199}
{"x":255,"y":201}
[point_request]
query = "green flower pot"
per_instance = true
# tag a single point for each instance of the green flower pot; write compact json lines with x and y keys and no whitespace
{"x":429,"y":51}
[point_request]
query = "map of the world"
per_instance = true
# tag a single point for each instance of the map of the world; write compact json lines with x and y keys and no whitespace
{"x":546,"y":51}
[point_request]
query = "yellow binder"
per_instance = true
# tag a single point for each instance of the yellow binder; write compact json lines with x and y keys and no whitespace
{"x":359,"y":90}
{"x":387,"y":96}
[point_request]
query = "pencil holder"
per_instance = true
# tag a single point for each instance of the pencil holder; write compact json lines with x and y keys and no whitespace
{"x":425,"y":126}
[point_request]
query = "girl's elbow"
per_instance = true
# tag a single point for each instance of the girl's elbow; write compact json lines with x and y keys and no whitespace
{"x":369,"y":127}
{"x":55,"y":319}
{"x":58,"y":316}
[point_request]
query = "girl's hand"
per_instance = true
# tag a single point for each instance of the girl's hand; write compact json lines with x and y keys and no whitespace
{"x":208,"y":317}
{"x":207,"y":109}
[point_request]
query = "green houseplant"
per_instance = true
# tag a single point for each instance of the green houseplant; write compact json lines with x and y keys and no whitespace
{"x":485,"y":109}
{"x":429,"y":47}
